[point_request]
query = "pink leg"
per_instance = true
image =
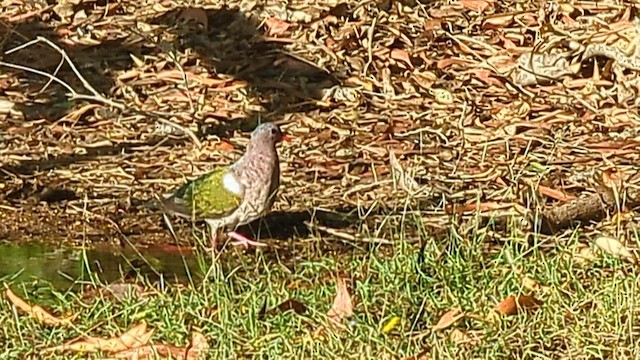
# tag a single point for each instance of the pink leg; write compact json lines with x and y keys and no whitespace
{"x":242,"y":240}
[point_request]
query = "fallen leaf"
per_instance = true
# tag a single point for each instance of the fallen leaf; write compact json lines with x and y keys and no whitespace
{"x":555,"y":194}
{"x":153,"y":352}
{"x":38,"y":313}
{"x":442,"y":96}
{"x":500,"y":21}
{"x":135,"y":337}
{"x":290,"y":304}
{"x":223,"y":146}
{"x":390,"y":325}
{"x":195,"y":350}
{"x":615,"y":248}
{"x":530,"y":284}
{"x":448,"y":319}
{"x":276,"y":26}
{"x":401,"y":55}
{"x":585,"y":255}
{"x":512,"y":304}
{"x":401,"y":177}
{"x":198,"y":346}
{"x":475,"y":5}
{"x":342,"y":304}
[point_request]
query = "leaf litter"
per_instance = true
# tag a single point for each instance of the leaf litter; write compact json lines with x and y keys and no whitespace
{"x":464,"y":107}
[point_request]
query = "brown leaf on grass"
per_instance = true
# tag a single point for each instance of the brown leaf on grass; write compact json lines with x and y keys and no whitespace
{"x":135,"y":337}
{"x":290,"y":304}
{"x":615,"y":248}
{"x":195,"y":350}
{"x":342,"y":304}
{"x":513,"y":304}
{"x":448,"y":319}
{"x":276,"y":26}
{"x":38,"y":313}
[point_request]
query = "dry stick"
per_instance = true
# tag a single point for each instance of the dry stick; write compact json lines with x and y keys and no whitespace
{"x":73,"y":95}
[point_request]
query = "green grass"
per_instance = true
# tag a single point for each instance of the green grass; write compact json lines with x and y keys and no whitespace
{"x":589,"y":308}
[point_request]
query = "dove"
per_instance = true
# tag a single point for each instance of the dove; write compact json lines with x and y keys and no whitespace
{"x":237,"y":194}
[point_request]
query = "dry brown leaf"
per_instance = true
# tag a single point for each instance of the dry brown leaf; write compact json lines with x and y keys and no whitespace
{"x":448,"y":319}
{"x":555,"y":194}
{"x":614,"y":247}
{"x":342,"y":304}
{"x":475,"y":5}
{"x":193,"y":351}
{"x":198,"y":346}
{"x":401,"y":55}
{"x":512,"y":304}
{"x":135,"y":337}
{"x":498,"y":21}
{"x":276,"y":26}
{"x":35,"y":311}
{"x":153,"y":352}
{"x":406,"y":181}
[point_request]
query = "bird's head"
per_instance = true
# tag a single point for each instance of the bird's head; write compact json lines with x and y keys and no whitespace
{"x":269,"y":133}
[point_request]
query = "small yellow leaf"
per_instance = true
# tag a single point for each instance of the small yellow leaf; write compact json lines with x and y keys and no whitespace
{"x":442,"y":96}
{"x":530,"y":284}
{"x":390,"y":325}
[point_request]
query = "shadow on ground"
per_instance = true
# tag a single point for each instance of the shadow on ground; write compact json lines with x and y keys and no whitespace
{"x":229,"y":42}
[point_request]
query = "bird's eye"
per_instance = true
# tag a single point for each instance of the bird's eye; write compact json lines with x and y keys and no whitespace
{"x":274,"y":131}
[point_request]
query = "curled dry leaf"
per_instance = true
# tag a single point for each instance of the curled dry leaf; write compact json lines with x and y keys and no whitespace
{"x":276,"y":26}
{"x":35,"y":311}
{"x":512,"y":304}
{"x":405,"y":181}
{"x":448,"y":319}
{"x":135,"y":337}
{"x":401,"y":55}
{"x":290,"y":304}
{"x":615,"y":248}
{"x":195,"y":350}
{"x":475,"y":5}
{"x":342,"y":304}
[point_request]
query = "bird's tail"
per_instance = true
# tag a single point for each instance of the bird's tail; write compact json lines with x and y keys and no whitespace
{"x":157,"y":203}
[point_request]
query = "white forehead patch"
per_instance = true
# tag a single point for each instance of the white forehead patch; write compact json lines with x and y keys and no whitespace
{"x":231,"y":184}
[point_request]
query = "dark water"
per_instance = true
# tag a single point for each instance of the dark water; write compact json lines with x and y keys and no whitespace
{"x":67,"y":267}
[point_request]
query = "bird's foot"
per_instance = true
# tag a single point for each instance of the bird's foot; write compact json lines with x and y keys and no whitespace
{"x":241,"y":240}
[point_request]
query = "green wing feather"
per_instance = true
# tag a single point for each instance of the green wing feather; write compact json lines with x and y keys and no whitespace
{"x":204,"y":197}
